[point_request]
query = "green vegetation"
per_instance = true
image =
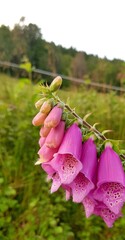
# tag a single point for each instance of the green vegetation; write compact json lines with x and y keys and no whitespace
{"x":27,"y":210}
{"x":25,"y":42}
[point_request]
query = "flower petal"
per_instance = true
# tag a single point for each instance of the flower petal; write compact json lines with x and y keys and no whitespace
{"x":54,"y":117}
{"x":56,"y":183}
{"x":67,"y":167}
{"x":107,"y":215}
{"x":41,"y":141}
{"x":39,"y":119}
{"x":110,"y":168}
{"x":46,"y":154}
{"x":89,"y":204}
{"x":89,"y":160}
{"x":72,"y":142}
{"x":80,"y":186}
{"x":67,"y":191}
{"x":112,"y":194}
{"x":55,"y":136}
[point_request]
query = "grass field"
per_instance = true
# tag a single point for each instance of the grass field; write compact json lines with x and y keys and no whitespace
{"x":27,"y":210}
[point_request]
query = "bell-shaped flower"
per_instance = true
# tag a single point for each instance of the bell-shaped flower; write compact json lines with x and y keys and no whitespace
{"x":41,"y":141}
{"x":45,"y":154}
{"x":67,"y":161}
{"x":54,"y":117}
{"x":44,"y":131}
{"x":85,"y":181}
{"x":55,"y":136}
{"x":39,"y":119}
{"x":111,"y":180}
{"x":106,"y":214}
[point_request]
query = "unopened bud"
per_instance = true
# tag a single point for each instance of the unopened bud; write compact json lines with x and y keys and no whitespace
{"x":56,"y":84}
{"x":39,"y":103}
{"x":46,"y":107}
{"x":39,"y":119}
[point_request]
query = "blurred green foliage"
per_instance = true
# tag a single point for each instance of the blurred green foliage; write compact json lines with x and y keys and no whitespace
{"x":27,"y":210}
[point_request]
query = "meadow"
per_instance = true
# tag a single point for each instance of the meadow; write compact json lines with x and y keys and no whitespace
{"x":27,"y":209}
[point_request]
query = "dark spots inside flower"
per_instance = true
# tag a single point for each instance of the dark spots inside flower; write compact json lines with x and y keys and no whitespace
{"x":113,"y":216}
{"x":81,"y":186}
{"x":69,"y":164}
{"x":80,"y":182}
{"x":69,"y":167}
{"x":111,"y":193}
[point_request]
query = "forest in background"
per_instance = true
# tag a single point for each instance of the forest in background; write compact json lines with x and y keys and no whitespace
{"x":26,"y":42}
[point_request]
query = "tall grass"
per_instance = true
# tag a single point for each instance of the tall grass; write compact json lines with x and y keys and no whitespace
{"x":27,"y":210}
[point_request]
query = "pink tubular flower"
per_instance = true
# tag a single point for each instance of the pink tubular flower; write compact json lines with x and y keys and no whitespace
{"x":39,"y":119}
{"x":67,"y":161}
{"x":85,"y":181}
{"x":44,"y":131}
{"x":54,"y":117}
{"x":55,"y":136}
{"x":111,"y":181}
{"x":46,"y":154}
{"x":41,"y":141}
{"x":106,"y":214}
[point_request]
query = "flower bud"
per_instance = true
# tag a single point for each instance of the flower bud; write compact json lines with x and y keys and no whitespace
{"x":39,"y":119}
{"x":39,"y":103}
{"x":44,"y":131}
{"x":42,"y":141}
{"x":55,"y":136}
{"x":54,"y":117}
{"x":46,"y":107}
{"x":56,"y":84}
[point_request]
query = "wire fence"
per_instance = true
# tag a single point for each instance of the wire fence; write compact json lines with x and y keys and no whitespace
{"x":72,"y":79}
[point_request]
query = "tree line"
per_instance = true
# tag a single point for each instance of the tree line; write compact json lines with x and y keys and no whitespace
{"x":26,"y":43}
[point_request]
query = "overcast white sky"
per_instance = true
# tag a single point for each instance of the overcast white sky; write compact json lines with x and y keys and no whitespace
{"x":93,"y":26}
